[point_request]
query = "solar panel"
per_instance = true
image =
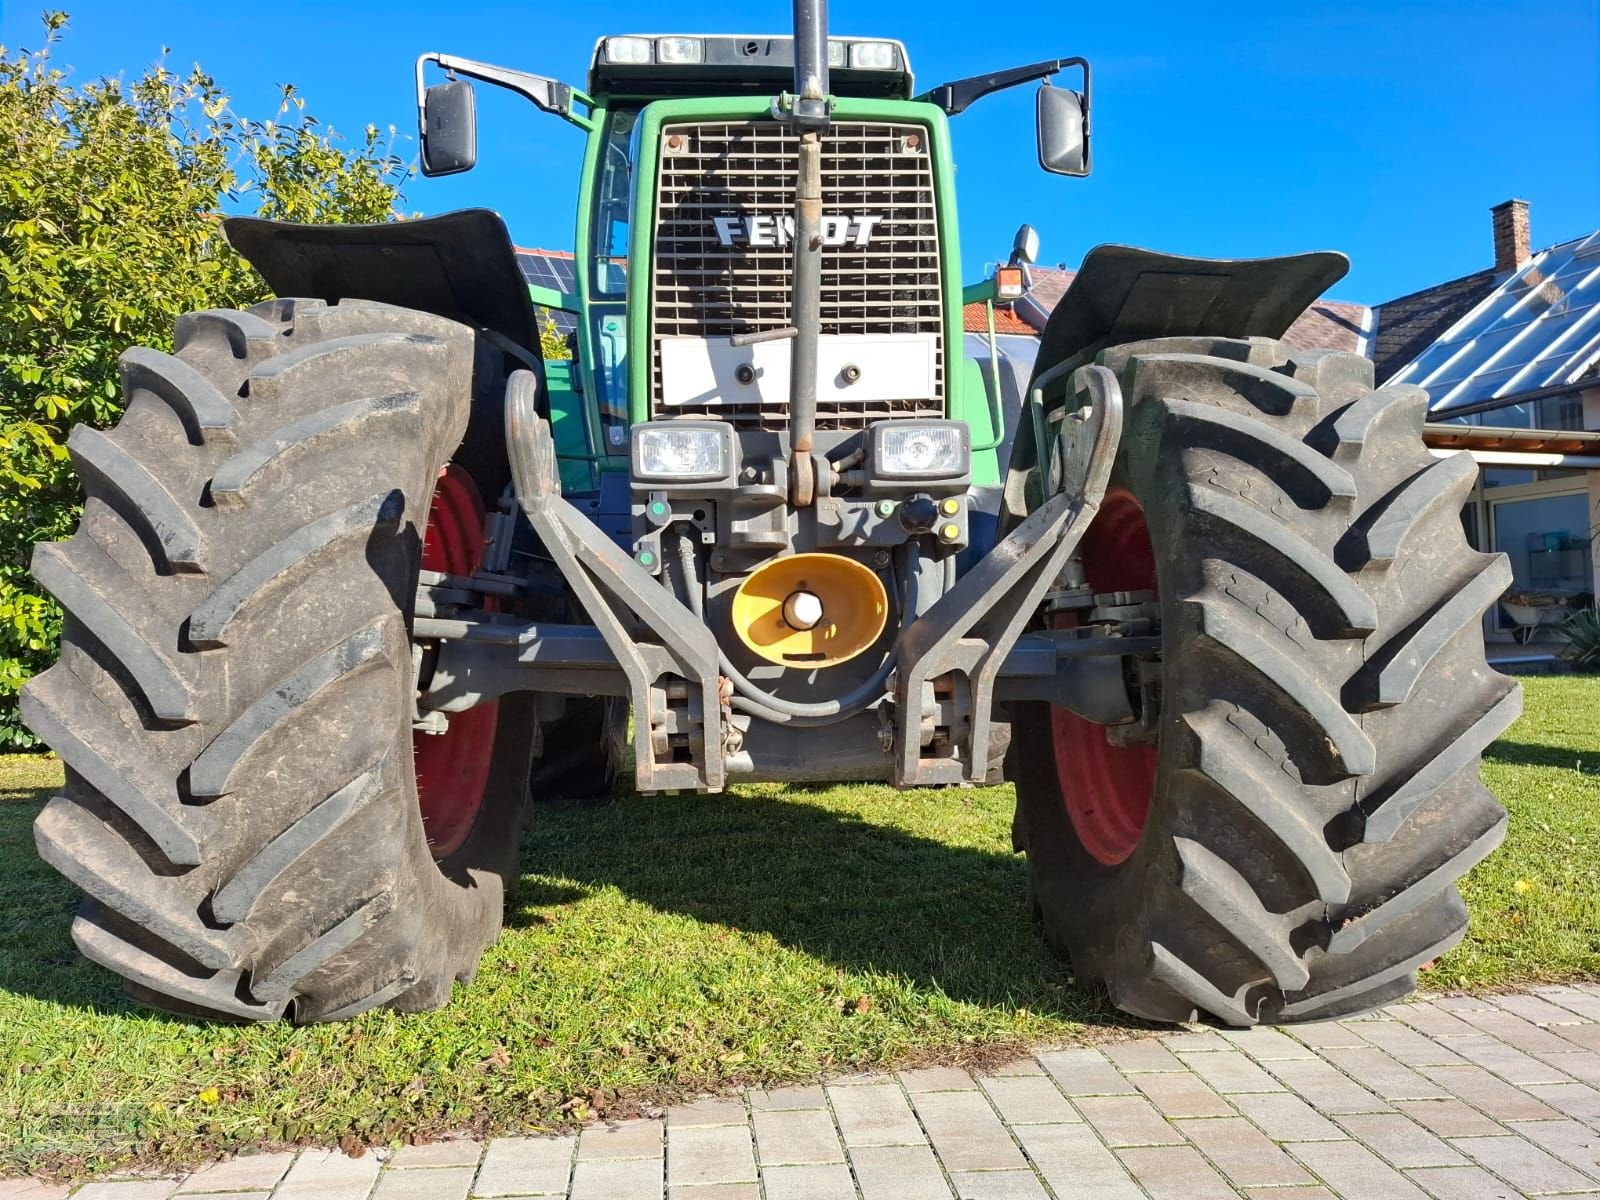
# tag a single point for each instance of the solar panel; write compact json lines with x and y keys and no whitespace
{"x":554,"y":271}
{"x":564,"y":322}
{"x":548,"y":270}
{"x":1539,"y":329}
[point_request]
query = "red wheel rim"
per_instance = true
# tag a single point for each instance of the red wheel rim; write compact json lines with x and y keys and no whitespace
{"x":1107,"y":788}
{"x":453,"y":766}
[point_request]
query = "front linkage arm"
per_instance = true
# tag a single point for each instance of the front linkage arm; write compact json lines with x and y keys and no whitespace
{"x":952,"y":655}
{"x":669,"y":657}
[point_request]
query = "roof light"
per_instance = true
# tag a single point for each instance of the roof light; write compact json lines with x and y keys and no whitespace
{"x":630,"y":50}
{"x":838,"y":52}
{"x":680,"y":50}
{"x":1008,"y":283}
{"x":872,"y":56}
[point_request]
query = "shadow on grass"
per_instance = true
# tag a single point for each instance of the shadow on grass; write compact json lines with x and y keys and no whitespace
{"x":37,"y":956}
{"x":1524,"y":754}
{"x":862,"y":896}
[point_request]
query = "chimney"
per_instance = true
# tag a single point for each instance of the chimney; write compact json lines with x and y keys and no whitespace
{"x":1512,"y":247}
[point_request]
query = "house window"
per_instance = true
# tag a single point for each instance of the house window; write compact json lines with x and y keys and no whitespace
{"x":1564,"y":411}
{"x":1560,"y":412}
{"x":1547,"y":540}
{"x":1494,"y":477}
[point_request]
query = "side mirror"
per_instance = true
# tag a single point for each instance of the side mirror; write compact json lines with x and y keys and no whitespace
{"x":449,"y":128}
{"x":1063,"y":125}
{"x":1025,"y":246}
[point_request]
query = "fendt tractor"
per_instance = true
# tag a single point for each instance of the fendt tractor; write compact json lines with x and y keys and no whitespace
{"x":358,"y":560}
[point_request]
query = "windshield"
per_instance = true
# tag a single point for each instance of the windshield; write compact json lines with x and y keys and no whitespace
{"x":612,"y":205}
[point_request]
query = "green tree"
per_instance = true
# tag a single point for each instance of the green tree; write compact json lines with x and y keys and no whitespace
{"x":110,"y":195}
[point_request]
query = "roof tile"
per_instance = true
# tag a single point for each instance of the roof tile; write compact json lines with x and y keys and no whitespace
{"x":1332,"y":325}
{"x":975,"y":320}
{"x":1408,"y":325}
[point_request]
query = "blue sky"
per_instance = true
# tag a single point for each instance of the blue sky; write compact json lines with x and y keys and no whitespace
{"x":1383,"y":129}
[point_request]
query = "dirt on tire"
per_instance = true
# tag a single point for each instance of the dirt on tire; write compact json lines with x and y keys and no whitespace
{"x":234,"y":697}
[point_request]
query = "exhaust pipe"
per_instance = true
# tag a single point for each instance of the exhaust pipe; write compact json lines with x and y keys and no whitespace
{"x":808,"y":118}
{"x":811,"y":62}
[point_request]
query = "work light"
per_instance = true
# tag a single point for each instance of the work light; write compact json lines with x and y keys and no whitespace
{"x":872,"y":56}
{"x":682,"y":451}
{"x":630,"y":50}
{"x":919,"y":449}
{"x":680,"y":50}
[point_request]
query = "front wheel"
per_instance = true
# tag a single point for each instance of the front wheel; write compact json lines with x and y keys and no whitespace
{"x":1279,"y":839}
{"x":259,"y":830}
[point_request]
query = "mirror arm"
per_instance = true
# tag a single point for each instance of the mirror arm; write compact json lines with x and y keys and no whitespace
{"x":958,"y":95}
{"x":550,"y":95}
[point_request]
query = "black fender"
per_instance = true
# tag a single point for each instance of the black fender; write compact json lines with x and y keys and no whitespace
{"x":460,"y":265}
{"x":1126,"y":294}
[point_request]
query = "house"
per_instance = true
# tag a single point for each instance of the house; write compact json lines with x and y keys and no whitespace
{"x":1510,"y":359}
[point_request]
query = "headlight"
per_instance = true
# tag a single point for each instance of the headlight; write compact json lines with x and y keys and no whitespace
{"x":872,"y":56}
{"x":920,"y":449}
{"x":631,"y":50}
{"x":682,"y":451}
{"x":680,"y":50}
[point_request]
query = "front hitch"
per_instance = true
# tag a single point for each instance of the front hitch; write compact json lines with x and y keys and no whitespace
{"x":646,"y":644}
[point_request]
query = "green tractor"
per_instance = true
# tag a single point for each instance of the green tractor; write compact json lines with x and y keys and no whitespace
{"x":358,"y":564}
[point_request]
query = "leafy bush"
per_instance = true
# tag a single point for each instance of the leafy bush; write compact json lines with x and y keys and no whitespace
{"x":109,"y":202}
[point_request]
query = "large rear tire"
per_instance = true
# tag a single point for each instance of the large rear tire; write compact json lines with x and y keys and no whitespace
{"x":234,"y":698}
{"x":1286,"y":849}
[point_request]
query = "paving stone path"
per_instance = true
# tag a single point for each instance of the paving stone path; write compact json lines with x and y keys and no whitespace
{"x":1459,"y":1098}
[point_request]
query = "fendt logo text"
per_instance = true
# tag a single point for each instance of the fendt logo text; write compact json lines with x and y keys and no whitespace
{"x":765,"y":230}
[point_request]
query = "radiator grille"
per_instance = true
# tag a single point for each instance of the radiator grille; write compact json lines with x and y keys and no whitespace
{"x":743,"y":169}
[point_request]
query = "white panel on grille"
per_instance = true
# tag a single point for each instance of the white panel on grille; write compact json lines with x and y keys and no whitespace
{"x":703,"y":373}
{"x":710,"y":282}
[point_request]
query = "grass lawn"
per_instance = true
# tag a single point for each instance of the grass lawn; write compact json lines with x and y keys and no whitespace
{"x":678,"y":943}
{"x":1536,"y":902}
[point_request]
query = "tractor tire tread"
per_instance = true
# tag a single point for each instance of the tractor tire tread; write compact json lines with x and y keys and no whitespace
{"x":1317,"y":797}
{"x":237,"y":590}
